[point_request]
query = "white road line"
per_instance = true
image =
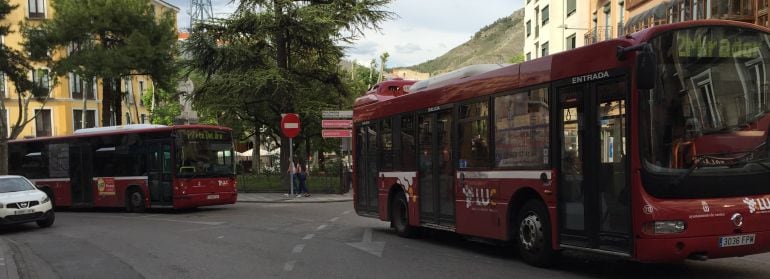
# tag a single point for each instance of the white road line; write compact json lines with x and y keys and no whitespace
{"x":309,"y":236}
{"x":298,"y":248}
{"x":220,"y":237}
{"x":334,"y":219}
{"x":157,"y":219}
{"x":346,"y":212}
{"x":321,"y":227}
{"x":289,"y":266}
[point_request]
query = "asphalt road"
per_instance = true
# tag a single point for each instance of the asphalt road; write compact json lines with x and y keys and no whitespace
{"x":324,"y":240}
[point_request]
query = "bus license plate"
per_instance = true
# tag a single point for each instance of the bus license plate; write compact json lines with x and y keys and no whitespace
{"x":213,"y":197}
{"x":23,"y":211}
{"x":736,"y":240}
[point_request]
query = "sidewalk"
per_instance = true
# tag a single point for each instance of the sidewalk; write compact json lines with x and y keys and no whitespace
{"x":284,"y":198}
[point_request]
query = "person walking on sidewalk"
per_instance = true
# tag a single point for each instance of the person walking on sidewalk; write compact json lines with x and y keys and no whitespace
{"x":302,"y":176}
{"x":292,"y":171}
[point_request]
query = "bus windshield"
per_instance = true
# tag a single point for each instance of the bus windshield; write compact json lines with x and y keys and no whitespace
{"x":203,"y":153}
{"x":708,"y":113}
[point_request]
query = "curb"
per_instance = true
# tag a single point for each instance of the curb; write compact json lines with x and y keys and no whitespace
{"x":296,"y":201}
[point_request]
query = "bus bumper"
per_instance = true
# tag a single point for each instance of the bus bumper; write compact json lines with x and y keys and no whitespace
{"x":196,"y":200}
{"x":699,"y":248}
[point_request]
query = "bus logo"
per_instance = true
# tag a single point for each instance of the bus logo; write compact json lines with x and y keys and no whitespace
{"x":478,"y":196}
{"x":757,"y":205}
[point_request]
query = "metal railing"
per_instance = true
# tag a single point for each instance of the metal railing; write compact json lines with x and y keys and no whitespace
{"x":599,"y":34}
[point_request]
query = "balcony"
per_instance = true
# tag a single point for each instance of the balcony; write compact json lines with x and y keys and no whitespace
{"x":599,"y":34}
{"x":739,"y":10}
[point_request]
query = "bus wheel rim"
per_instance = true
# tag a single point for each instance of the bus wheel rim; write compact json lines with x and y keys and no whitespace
{"x":530,"y":232}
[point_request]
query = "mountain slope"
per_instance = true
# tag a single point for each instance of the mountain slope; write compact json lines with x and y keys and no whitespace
{"x":498,"y":42}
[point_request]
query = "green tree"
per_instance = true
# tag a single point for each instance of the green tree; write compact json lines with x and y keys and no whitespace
{"x":107,"y":39}
{"x":518,"y":58}
{"x":278,"y":56}
{"x":15,"y":67}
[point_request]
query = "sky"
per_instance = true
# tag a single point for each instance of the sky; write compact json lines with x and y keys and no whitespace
{"x":422,"y":29}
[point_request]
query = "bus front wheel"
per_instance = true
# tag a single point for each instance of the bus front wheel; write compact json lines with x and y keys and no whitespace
{"x":134,"y":201}
{"x":399,"y":218}
{"x":533,"y":234}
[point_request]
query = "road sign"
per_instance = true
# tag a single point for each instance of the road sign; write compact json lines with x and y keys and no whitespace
{"x":290,"y":125}
{"x":337,"y":114}
{"x":337,"y":133}
{"x":336,"y":124}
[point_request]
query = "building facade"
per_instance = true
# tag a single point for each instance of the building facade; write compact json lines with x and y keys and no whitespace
{"x":606,"y":20}
{"x":69,"y":98}
{"x":646,"y":13}
{"x":552,"y":26}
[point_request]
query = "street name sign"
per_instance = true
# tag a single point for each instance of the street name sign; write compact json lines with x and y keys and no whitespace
{"x":337,"y":133}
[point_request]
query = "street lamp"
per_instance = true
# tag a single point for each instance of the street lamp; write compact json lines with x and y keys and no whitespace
{"x":564,"y":26}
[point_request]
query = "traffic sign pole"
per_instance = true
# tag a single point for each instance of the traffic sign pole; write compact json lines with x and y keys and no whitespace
{"x":293,"y":169}
{"x":290,"y":126}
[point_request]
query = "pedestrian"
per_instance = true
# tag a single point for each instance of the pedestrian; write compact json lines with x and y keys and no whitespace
{"x":302,"y":176}
{"x":292,"y":171}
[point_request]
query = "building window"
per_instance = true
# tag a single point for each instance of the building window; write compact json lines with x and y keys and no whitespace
{"x":529,"y":56}
{"x":545,"y":15}
{"x":621,"y":10}
{"x":571,"y":7}
{"x":3,"y":88}
{"x":36,"y":8}
{"x":607,"y":27}
{"x":143,"y":118}
{"x":529,"y":27}
{"x":129,"y":91}
{"x":141,"y":92}
{"x":42,"y":80}
{"x":79,"y":87}
{"x":544,"y":49}
{"x":570,"y":43}
{"x":77,"y":117}
{"x":43,"y":123}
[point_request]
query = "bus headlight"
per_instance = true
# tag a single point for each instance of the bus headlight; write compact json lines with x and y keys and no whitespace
{"x":664,"y":227}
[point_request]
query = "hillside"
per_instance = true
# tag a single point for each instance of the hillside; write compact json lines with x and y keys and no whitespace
{"x":498,"y":42}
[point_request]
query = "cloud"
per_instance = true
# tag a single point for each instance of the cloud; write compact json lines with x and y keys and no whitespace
{"x":364,"y":49}
{"x":408,"y":48}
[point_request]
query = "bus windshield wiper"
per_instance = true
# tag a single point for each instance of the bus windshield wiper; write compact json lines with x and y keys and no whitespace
{"x":695,"y":165}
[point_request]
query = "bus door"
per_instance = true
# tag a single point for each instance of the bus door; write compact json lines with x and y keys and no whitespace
{"x":594,"y":197}
{"x":436,"y":171}
{"x":159,"y":172}
{"x":367,"y":170}
{"x":81,"y":174}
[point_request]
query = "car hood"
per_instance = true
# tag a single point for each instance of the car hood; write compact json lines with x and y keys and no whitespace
{"x":21,"y":196}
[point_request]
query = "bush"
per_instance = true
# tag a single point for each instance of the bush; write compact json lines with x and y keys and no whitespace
{"x":326,"y":184}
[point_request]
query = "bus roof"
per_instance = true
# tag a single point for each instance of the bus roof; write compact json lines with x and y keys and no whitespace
{"x":125,"y":129}
{"x":594,"y":58}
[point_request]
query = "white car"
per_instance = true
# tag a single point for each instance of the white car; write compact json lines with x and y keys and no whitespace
{"x":22,"y":202}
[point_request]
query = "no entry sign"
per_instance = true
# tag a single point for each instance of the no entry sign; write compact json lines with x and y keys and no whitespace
{"x":290,"y":125}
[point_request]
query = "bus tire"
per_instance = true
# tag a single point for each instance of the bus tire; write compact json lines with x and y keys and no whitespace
{"x":533,"y":234}
{"x":399,"y":217}
{"x":134,"y":200}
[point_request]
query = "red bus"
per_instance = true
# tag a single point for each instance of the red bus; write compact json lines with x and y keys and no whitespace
{"x":133,"y":166}
{"x":652,"y":147}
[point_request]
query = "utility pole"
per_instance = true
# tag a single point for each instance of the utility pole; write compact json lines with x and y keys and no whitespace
{"x":200,"y":11}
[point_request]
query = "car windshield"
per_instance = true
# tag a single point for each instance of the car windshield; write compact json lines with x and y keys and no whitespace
{"x":14,"y":184}
{"x":708,"y":113}
{"x":204,"y":154}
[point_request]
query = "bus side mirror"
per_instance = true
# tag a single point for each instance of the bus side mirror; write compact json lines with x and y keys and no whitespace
{"x":646,"y":69}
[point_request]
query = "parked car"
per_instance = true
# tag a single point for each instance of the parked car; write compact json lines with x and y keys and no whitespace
{"x":22,"y":202}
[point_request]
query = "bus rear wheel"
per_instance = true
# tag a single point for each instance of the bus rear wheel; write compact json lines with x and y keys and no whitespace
{"x":533,"y":234}
{"x":134,"y":201}
{"x":399,"y":217}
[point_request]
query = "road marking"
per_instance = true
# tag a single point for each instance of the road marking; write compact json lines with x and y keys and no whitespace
{"x":209,"y":223}
{"x":334,"y":219}
{"x":346,"y":212}
{"x":321,"y":227}
{"x":369,"y":246}
{"x":309,"y":236}
{"x":220,"y":237}
{"x":298,"y":248}
{"x":289,"y":266}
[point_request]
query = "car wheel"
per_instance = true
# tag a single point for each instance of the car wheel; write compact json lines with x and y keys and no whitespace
{"x":48,"y":221}
{"x":135,"y":201}
{"x":399,"y":218}
{"x":533,"y":234}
